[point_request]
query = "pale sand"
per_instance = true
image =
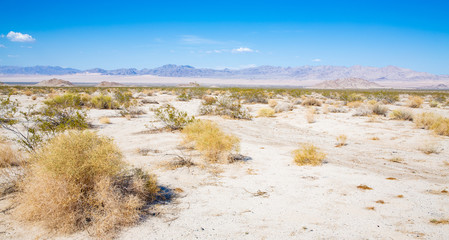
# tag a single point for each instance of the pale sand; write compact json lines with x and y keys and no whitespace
{"x":156,"y":80}
{"x":295,"y":202}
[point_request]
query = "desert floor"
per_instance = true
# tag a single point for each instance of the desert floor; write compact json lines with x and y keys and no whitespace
{"x":268,"y":196}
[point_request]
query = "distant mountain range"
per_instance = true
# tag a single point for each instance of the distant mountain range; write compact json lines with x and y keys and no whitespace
{"x":389,"y":73}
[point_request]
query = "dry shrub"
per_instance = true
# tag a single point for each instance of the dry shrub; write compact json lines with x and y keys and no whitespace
{"x":354,"y":104}
{"x":311,"y":102}
{"x":28,"y":93}
{"x":341,"y":140}
{"x":415,"y":101}
{"x":209,"y":100}
{"x":325,"y":108}
{"x":105,"y":120}
{"x":78,"y":181}
{"x":429,"y":148}
{"x":379,"y":109}
{"x":310,"y":115}
{"x":308,"y":154}
{"x":432,"y":121}
{"x":283,"y":107}
{"x":34,"y":97}
{"x":363,"y":110}
{"x":8,"y":156}
{"x":396,"y":160}
{"x":401,"y":114}
{"x":265,"y":112}
{"x":213,"y":143}
{"x":272,"y":103}
{"x":433,"y":104}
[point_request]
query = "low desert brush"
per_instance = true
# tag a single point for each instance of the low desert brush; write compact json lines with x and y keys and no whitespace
{"x":265,"y":112}
{"x":415,"y":101}
{"x":354,"y":104}
{"x":172,"y":118}
{"x":105,"y":120}
{"x":9,"y":157}
{"x":78,"y":181}
{"x":272,"y":103}
{"x":308,"y":154}
{"x":341,"y":140}
{"x":310,"y":115}
{"x":433,"y":121}
{"x":311,"y":102}
{"x":401,"y":114}
{"x":379,"y":109}
{"x":210,"y":140}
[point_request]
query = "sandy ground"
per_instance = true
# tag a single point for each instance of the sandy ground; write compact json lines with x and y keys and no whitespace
{"x":171,"y":81}
{"x":268,"y":196}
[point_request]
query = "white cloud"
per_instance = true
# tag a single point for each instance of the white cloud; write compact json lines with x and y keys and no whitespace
{"x":19,"y":37}
{"x":216,"y":51}
{"x":13,"y":56}
{"x":192,"y":39}
{"x":2,"y":46}
{"x":316,"y":60}
{"x":242,"y":50}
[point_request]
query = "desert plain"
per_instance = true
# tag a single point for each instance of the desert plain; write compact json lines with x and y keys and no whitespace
{"x":265,"y":194}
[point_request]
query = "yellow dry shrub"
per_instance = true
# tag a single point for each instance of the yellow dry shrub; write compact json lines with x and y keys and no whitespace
{"x":310,"y":115}
{"x":78,"y":181}
{"x":105,"y":120}
{"x":401,"y":114}
{"x":210,"y":140}
{"x":8,"y":156}
{"x":415,"y":101}
{"x":265,"y":112}
{"x":308,"y":154}
{"x":272,"y":103}
{"x":432,"y":121}
{"x":341,"y":140}
{"x":354,"y":104}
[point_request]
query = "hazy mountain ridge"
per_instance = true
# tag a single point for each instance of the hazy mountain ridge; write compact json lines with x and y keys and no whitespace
{"x":347,"y":83}
{"x":262,"y":72}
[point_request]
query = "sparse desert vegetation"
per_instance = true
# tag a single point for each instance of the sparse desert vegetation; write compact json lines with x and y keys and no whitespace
{"x":63,"y":174}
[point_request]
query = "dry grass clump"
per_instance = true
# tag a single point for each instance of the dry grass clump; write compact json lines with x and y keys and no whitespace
{"x":379,"y":109}
{"x":429,"y":148}
{"x":363,"y":110}
{"x":354,"y":104}
{"x":78,"y":181}
{"x":308,"y":154}
{"x":401,"y":114}
{"x":8,"y":156}
{"x":432,"y":121}
{"x":265,"y":112}
{"x":341,"y":140}
{"x":210,"y":140}
{"x":415,"y":101}
{"x":311,"y":102}
{"x":283,"y":107}
{"x":396,"y":160}
{"x":105,"y":120}
{"x":310,"y":115}
{"x":177,"y":162}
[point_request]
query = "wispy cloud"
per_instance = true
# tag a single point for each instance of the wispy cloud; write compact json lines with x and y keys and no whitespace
{"x":316,"y":60}
{"x":2,"y":46}
{"x":243,"y":50}
{"x":192,"y":39}
{"x":19,"y":37}
{"x":13,"y":56}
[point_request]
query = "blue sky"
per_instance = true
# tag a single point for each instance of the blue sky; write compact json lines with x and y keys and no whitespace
{"x":219,"y":34}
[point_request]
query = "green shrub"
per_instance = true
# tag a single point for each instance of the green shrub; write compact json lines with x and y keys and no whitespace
{"x":103,"y":102}
{"x":171,"y":117}
{"x":226,"y":106}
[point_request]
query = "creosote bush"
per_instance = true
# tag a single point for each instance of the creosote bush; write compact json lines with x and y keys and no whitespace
{"x":226,"y":106}
{"x":308,"y":154}
{"x":210,"y":140}
{"x":172,"y":118}
{"x":311,"y":102}
{"x":78,"y":181}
